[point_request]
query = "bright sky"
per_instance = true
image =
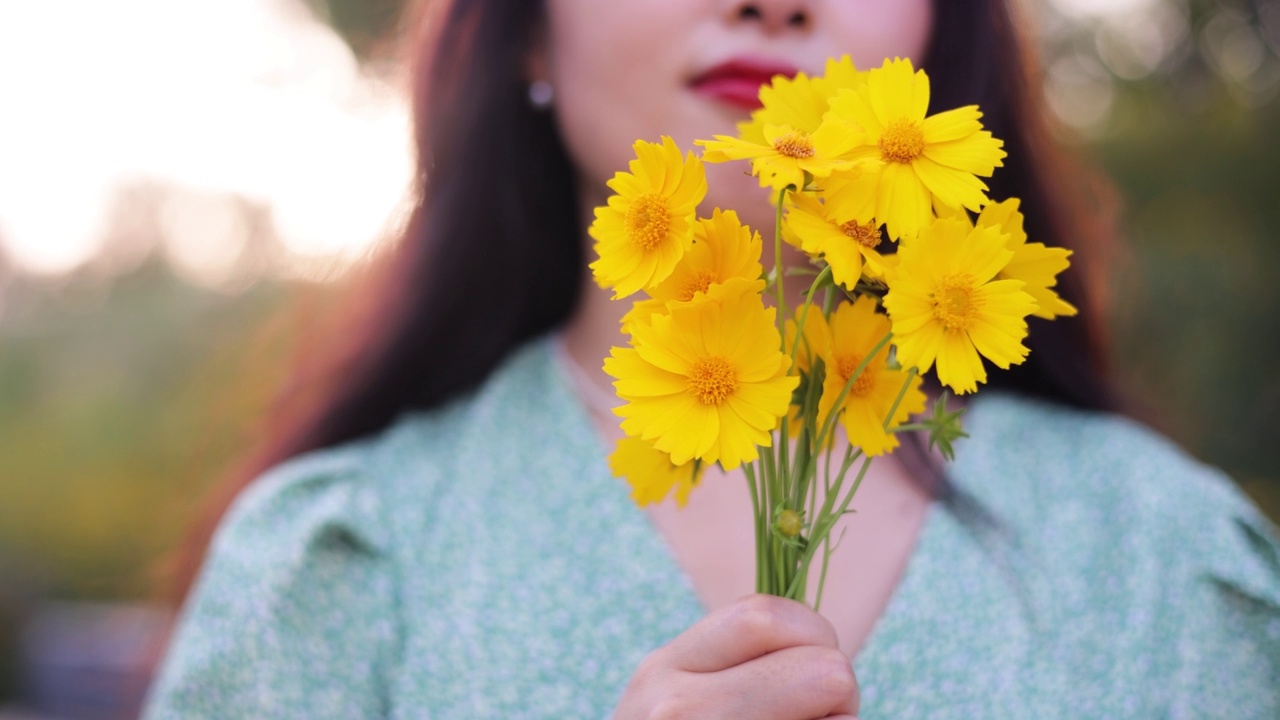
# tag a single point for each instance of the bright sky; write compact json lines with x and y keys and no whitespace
{"x":227,"y":101}
{"x":220,"y":100}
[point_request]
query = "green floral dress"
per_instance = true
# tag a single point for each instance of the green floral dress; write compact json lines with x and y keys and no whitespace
{"x":479,"y":561}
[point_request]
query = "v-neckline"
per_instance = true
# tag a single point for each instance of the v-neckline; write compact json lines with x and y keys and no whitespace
{"x":910,"y":583}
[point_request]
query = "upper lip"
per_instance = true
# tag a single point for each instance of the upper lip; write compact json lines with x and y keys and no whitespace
{"x":746,"y":66}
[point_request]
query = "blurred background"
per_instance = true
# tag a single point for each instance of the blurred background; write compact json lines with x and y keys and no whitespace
{"x":183,"y":184}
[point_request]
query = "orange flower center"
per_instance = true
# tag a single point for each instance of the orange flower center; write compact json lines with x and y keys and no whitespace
{"x":696,"y":283}
{"x":712,"y":380}
{"x":865,"y":234}
{"x":955,"y":302}
{"x":648,"y":220}
{"x":846,"y":365}
{"x":902,"y":141}
{"x":794,"y":145}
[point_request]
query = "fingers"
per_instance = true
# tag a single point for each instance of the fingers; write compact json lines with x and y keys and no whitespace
{"x":762,"y":658}
{"x":796,"y":683}
{"x":749,"y":628}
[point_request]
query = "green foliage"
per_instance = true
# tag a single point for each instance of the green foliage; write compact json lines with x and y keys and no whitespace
{"x":363,"y":24}
{"x":116,"y":416}
{"x":1194,"y":319}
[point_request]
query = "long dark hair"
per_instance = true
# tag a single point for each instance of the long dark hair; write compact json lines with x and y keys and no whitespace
{"x":498,"y":199}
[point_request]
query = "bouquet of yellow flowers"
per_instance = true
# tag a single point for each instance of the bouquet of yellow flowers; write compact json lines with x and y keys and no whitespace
{"x":911,"y":268}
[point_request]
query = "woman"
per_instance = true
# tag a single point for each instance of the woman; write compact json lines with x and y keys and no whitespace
{"x":439,"y":536}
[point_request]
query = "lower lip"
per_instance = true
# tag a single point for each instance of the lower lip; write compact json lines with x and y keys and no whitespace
{"x":737,"y":91}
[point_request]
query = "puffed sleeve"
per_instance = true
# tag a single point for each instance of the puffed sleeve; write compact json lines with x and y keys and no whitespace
{"x":293,"y":615}
{"x":1229,"y":650}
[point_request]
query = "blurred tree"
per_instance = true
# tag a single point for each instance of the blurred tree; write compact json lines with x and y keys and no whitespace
{"x":1179,"y":101}
{"x":118,"y":406}
{"x":366,"y":25}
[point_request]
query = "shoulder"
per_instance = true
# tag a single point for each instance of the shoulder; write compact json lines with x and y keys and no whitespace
{"x":320,"y":501}
{"x":1071,"y":455}
{"x":1035,"y":462}
{"x":1134,"y":551}
{"x":291,"y":612}
{"x":1009,"y":424}
{"x":516,"y":413}
{"x":357,"y":490}
{"x":296,"y":605}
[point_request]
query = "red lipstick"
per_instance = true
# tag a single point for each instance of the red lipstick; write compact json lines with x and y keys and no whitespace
{"x":737,"y":81}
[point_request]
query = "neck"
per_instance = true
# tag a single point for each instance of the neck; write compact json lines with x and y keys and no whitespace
{"x":595,"y":328}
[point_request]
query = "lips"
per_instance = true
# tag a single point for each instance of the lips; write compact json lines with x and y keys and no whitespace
{"x":737,"y":82}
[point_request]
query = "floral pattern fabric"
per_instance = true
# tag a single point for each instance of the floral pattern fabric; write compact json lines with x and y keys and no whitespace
{"x":480,"y":561}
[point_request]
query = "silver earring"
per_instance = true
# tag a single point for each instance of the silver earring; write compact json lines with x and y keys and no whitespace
{"x":541,"y":94}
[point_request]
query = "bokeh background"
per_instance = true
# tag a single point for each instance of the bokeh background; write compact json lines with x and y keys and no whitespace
{"x":183,"y":186}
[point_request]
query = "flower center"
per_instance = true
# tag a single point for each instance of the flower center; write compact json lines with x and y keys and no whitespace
{"x":648,"y":220}
{"x":902,"y":141}
{"x":696,"y":283}
{"x":865,"y":234}
{"x":712,"y":380}
{"x":846,"y":365}
{"x":955,"y":304}
{"x":794,"y":145}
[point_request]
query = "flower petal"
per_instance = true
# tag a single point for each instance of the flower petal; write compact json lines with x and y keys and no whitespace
{"x":952,"y":124}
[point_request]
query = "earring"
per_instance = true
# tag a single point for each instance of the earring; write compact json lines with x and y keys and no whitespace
{"x":541,"y":94}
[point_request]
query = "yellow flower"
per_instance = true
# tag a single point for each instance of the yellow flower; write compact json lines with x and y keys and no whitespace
{"x":839,"y":74}
{"x":927,"y":161}
{"x":855,"y":330}
{"x":706,"y":380}
{"x":792,"y":102}
{"x":1035,"y":264}
{"x":946,"y":304}
{"x":786,"y":153}
{"x":800,"y":101}
{"x":641,"y":312}
{"x":846,"y":244}
{"x":648,"y":224}
{"x":723,"y":248}
{"x":651,"y":474}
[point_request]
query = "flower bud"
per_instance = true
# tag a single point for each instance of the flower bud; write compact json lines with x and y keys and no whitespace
{"x":790,"y":523}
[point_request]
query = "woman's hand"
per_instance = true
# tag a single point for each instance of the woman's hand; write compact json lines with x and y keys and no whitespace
{"x":761,"y":657}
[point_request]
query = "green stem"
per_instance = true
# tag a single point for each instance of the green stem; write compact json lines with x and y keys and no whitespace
{"x":777,"y":257}
{"x":857,"y":482}
{"x":804,"y":314}
{"x":755,"y":506}
{"x":824,"y":521}
{"x":764,"y":570}
{"x":822,"y":574}
{"x":823,"y":528}
{"x":911,"y":375}
{"x":779,"y":567}
{"x":778,"y":484}
{"x":827,"y":425}
{"x":801,"y":469}
{"x":824,"y":524}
